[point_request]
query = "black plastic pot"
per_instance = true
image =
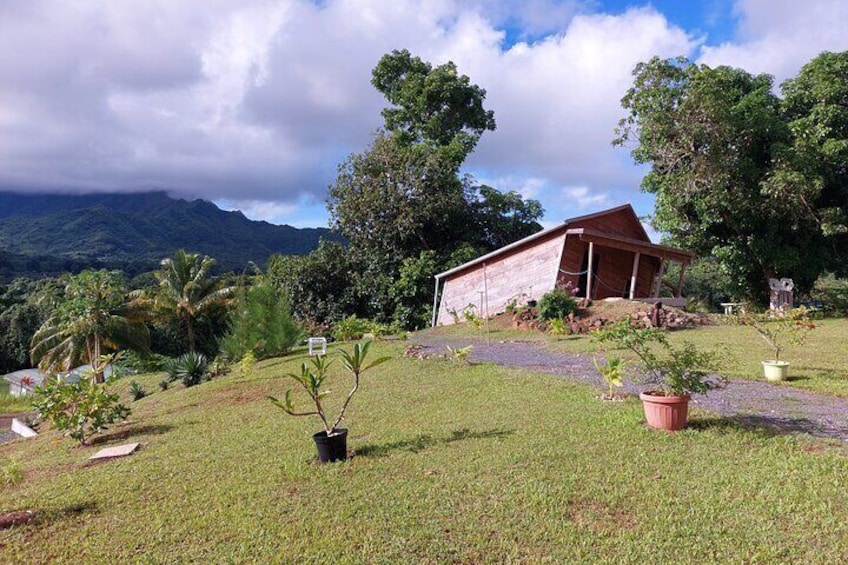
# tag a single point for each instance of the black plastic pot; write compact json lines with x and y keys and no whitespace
{"x":331,"y":448}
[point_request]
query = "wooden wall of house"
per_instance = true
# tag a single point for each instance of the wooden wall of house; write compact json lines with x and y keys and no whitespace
{"x":621,"y":223}
{"x":613,"y":270}
{"x":530,"y":270}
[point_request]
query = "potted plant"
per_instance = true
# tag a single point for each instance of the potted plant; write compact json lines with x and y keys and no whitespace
{"x":779,"y":329}
{"x":331,"y":442}
{"x":674,"y":372}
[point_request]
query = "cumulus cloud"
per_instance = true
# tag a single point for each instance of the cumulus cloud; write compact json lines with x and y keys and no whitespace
{"x":254,"y":103}
{"x":778,"y":38}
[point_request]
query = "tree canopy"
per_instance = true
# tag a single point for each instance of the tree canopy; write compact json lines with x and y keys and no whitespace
{"x":740,"y":174}
{"x":431,"y":105}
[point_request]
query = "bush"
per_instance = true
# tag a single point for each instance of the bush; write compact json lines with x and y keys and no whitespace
{"x":137,"y":391}
{"x":832,"y":292}
{"x":190,"y":368}
{"x":142,"y":363}
{"x":78,"y":409}
{"x":11,"y":473}
{"x":351,"y":328}
{"x":557,"y":304}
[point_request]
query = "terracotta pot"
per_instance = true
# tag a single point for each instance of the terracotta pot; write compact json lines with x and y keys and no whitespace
{"x":665,"y":412}
{"x":776,"y":370}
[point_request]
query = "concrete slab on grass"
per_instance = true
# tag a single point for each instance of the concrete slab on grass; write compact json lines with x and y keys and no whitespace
{"x":117,"y":451}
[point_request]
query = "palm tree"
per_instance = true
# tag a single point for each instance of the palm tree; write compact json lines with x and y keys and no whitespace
{"x":92,"y":318}
{"x":186,"y":291}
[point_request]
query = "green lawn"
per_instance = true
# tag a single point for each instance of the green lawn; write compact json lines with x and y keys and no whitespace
{"x":820,"y":365}
{"x":465,"y":465}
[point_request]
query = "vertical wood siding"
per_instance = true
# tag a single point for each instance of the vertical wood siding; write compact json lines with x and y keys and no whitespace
{"x":529,"y":270}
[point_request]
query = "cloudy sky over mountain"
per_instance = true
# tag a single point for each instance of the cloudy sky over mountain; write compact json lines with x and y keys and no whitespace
{"x":254,"y":103}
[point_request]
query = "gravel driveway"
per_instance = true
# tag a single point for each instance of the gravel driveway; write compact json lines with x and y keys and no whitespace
{"x":778,"y":407}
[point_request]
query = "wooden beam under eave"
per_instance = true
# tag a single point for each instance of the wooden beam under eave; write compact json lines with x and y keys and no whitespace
{"x":679,"y":290}
{"x":589,"y":271}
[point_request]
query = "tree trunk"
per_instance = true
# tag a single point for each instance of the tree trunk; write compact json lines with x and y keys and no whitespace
{"x":190,"y":335}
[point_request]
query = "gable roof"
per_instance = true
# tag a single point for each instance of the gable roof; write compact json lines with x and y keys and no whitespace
{"x":647,"y":246}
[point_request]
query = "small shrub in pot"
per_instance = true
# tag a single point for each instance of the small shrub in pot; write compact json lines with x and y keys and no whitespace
{"x":331,"y":442}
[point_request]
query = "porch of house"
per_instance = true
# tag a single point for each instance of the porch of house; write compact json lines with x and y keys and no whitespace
{"x":605,"y":265}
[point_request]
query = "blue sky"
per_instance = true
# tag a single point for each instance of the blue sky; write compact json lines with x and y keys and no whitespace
{"x":254,"y":103}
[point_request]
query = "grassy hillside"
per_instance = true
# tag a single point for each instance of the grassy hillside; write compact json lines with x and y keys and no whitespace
{"x":476,"y":464}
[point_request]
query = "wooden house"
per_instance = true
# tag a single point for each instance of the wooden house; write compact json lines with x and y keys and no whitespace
{"x":606,"y":254}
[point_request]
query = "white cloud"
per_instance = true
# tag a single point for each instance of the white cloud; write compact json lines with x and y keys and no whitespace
{"x":778,"y":38}
{"x":257,"y":101}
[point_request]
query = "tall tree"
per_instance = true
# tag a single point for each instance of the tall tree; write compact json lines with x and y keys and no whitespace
{"x":403,"y":204}
{"x":186,"y":291}
{"x":91,"y":319}
{"x":726,"y":171}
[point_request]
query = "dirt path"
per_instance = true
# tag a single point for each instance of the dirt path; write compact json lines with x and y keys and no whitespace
{"x":751,"y":402}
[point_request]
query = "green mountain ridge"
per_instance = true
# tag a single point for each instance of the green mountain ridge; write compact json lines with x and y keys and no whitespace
{"x":44,"y":234}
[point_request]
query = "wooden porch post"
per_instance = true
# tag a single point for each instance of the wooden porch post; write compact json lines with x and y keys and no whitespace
{"x":589,"y":271}
{"x":436,"y":303}
{"x":679,"y":289}
{"x":633,"y":275}
{"x":655,"y":293}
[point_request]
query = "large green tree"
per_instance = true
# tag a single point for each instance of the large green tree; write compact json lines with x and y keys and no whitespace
{"x":729,"y":171}
{"x":404,"y":195}
{"x":91,"y":319}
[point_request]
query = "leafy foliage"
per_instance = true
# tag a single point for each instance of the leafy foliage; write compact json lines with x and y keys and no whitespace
{"x":80,"y":409}
{"x":24,"y":306}
{"x":91,"y":318}
{"x":612,"y":372}
{"x":557,"y":304}
{"x":260,"y":322}
{"x":351,"y":328}
{"x":434,"y":106}
{"x":186,"y":292}
{"x":313,"y":375}
{"x":676,"y":369}
{"x":402,"y":205}
{"x":190,"y":368}
{"x":832,"y":292}
{"x":781,"y":328}
{"x":756,"y":182}
{"x":137,"y":391}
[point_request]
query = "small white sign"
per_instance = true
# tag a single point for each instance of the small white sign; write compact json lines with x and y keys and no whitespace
{"x":317,"y":346}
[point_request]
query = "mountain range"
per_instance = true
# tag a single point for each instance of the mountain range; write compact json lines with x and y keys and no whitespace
{"x":46,"y":234}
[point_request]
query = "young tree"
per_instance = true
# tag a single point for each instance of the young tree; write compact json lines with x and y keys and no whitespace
{"x":260,"y":322}
{"x":91,"y":319}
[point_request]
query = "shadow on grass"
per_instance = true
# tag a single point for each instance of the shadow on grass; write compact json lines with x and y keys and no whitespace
{"x":69,"y":512}
{"x":422,"y":442}
{"x":768,"y":426}
{"x":125,"y":433}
